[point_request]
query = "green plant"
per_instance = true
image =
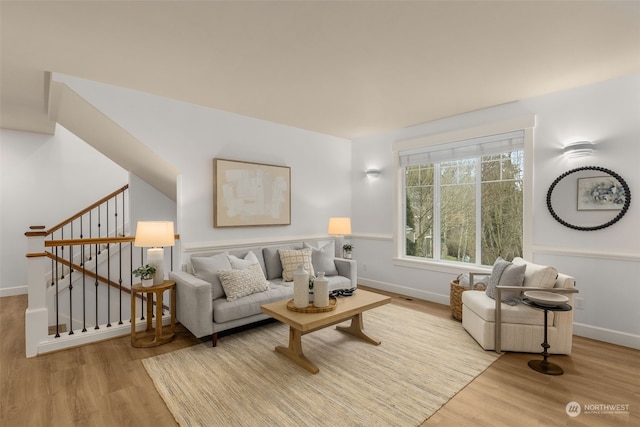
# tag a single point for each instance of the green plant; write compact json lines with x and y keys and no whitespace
{"x":347,"y":247}
{"x":145,"y":271}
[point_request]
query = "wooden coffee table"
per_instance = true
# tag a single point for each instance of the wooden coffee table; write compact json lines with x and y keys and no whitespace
{"x":303,"y":323}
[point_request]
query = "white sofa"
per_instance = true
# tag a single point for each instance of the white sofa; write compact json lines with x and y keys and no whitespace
{"x":520,"y":328}
{"x":203,"y":308}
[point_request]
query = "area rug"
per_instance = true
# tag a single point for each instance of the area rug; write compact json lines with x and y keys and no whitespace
{"x":423,"y":362}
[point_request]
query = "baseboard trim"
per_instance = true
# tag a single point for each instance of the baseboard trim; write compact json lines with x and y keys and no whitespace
{"x":579,"y":329}
{"x":65,"y":341}
{"x":607,"y":335}
{"x":13,"y":291}
{"x":403,"y":290}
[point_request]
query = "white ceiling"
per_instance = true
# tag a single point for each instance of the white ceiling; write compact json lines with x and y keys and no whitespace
{"x":349,"y":69}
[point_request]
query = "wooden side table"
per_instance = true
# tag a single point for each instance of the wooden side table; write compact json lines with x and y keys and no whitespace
{"x":152,"y":337}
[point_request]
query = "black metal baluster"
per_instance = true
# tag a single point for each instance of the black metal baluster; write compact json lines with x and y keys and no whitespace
{"x":71,"y":285}
{"x":98,"y":249}
{"x":96,"y":268}
{"x":57,"y":306}
{"x":90,"y":235}
{"x":131,"y":315}
{"x":62,"y":254}
{"x":142,"y":295}
{"x":84,"y":290}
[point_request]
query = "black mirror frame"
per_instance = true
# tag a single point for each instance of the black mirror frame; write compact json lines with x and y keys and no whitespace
{"x":624,"y":210}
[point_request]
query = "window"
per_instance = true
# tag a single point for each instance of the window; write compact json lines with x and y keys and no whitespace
{"x":463,"y":201}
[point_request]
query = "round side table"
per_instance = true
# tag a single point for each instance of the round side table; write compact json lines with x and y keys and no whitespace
{"x":544,"y":366}
{"x":153,"y":336}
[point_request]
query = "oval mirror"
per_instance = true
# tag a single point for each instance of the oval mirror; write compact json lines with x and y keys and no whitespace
{"x":588,"y":198}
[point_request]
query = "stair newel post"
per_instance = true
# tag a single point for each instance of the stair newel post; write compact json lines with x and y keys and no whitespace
{"x":37,"y":314}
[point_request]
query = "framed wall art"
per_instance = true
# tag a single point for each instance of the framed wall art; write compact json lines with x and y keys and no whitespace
{"x":600,"y":193}
{"x":249,"y":194}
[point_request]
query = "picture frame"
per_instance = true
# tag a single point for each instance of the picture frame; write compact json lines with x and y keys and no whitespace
{"x":248,"y":194}
{"x":600,"y":193}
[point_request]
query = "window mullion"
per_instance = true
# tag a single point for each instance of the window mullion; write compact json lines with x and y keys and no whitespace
{"x":436,"y":213}
{"x":478,"y":211}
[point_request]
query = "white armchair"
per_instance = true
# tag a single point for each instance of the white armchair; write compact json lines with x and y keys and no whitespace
{"x":520,"y":328}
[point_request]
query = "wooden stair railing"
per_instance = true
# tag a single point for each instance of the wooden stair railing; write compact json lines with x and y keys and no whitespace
{"x":91,"y":207}
{"x":88,"y":238}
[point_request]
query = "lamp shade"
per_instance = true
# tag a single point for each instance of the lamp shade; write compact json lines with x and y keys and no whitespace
{"x":154,"y":234}
{"x":340,"y":226}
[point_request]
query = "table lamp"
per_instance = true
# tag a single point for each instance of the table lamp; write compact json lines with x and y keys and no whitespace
{"x":155,"y":235}
{"x":339,"y":226}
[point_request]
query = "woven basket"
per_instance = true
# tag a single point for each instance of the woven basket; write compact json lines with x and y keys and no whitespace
{"x":455,"y":297}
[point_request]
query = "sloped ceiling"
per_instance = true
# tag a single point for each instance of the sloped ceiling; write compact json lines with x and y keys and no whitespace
{"x":348,"y":69}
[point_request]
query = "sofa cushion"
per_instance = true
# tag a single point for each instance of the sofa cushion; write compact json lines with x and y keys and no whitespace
{"x":485,"y":307}
{"x":228,"y":311}
{"x":505,"y":273}
{"x":536,"y":275}
{"x":239,"y":283}
{"x":322,"y":255}
{"x":206,"y":268}
{"x":272,"y":261}
{"x":291,"y":259}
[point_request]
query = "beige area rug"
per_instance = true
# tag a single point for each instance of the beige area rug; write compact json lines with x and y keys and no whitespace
{"x":423,"y":362}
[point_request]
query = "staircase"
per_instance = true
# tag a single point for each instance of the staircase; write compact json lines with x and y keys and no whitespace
{"x":79,"y":277}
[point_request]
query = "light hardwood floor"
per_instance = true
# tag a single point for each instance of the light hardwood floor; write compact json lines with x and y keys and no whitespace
{"x":105,"y":384}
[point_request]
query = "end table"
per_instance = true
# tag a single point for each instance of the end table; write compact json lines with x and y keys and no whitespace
{"x":544,"y":366}
{"x":153,"y":336}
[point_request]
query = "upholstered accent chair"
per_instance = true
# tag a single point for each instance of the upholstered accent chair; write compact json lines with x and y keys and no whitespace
{"x":513,"y":326}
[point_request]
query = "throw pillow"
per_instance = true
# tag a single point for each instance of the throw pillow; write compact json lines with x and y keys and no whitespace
{"x":241,"y":264}
{"x":291,"y":259}
{"x":322,"y":255}
{"x":536,"y":275}
{"x":240,"y":283}
{"x":272,"y":261}
{"x":206,"y":268}
{"x":505,"y":273}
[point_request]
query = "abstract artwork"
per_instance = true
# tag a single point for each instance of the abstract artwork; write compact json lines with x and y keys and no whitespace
{"x":250,"y":194}
{"x":600,"y":193}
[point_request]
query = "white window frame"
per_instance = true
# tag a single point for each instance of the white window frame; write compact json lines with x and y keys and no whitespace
{"x":526,"y":124}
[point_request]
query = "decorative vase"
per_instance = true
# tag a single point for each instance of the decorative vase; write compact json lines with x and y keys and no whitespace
{"x":347,"y":255}
{"x":147,"y":283}
{"x":321,"y":291}
{"x":301,"y":287}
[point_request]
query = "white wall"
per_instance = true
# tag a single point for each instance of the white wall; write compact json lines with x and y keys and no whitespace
{"x":45,"y":179}
{"x":189,"y":137}
{"x":605,"y":263}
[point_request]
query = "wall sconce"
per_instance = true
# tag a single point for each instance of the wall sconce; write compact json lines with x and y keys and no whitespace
{"x":579,"y":149}
{"x":372,"y":173}
{"x":155,"y":235}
